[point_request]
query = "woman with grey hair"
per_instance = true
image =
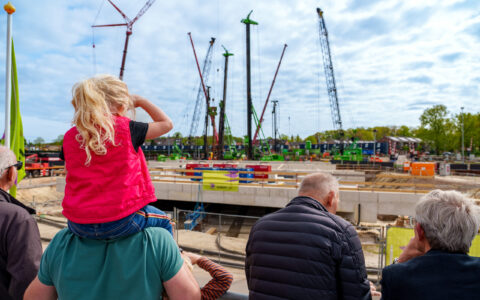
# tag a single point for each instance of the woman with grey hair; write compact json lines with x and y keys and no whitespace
{"x":435,"y":263}
{"x":448,"y":219}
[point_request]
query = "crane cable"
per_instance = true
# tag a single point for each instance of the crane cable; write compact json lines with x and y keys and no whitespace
{"x":94,"y":57}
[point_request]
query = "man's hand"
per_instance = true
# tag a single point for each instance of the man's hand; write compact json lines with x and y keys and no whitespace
{"x":413,"y":249}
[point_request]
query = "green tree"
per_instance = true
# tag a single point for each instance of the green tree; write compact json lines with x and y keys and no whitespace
{"x":58,"y":140}
{"x":39,"y":141}
{"x":177,"y":135}
{"x":404,"y":131}
{"x":312,"y":139}
{"x":434,"y":126}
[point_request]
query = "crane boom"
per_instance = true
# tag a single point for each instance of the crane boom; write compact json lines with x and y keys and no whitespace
{"x":329,"y":75}
{"x":259,"y":125}
{"x":201,"y":89}
{"x":143,"y":10}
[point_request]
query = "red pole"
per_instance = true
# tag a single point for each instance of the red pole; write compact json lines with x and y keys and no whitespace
{"x":124,"y":57}
{"x":268,"y":96}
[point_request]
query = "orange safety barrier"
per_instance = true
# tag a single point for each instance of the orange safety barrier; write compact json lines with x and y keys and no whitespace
{"x":423,"y":168}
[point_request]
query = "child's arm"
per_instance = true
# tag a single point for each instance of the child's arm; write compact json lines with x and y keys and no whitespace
{"x":161,"y":122}
{"x":221,"y":278}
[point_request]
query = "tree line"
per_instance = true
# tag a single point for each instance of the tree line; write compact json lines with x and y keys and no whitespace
{"x":439,"y":130}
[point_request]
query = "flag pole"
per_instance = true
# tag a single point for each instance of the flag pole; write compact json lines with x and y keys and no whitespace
{"x":10,"y":9}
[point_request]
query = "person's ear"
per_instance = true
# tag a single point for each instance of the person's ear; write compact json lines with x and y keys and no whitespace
{"x":10,"y":175}
{"x":330,"y":198}
{"x":419,"y":232}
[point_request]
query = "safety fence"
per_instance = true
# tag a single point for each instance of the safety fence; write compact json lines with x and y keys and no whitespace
{"x":223,"y":238}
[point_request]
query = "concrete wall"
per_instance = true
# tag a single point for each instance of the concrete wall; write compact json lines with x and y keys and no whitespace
{"x":372,"y":203}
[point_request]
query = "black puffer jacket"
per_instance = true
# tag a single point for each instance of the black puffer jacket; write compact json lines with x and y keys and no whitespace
{"x":304,"y":252}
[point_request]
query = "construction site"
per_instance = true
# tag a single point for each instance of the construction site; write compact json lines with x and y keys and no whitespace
{"x":216,"y":223}
{"x":215,"y":186}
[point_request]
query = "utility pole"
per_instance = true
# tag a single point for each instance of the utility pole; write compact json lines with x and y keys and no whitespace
{"x":374,"y":145}
{"x":221,"y":128}
{"x":274,"y":115}
{"x":463,"y":144}
{"x":249,"y":22}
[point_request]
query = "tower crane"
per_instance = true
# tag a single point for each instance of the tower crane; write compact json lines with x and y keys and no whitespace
{"x":329,"y":75}
{"x":200,"y":93}
{"x":128,"y":23}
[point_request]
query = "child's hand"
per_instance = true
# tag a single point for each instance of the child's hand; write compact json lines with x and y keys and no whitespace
{"x":136,"y":99}
{"x":193,"y":257}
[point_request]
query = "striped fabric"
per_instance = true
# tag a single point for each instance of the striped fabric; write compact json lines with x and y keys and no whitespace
{"x":220,"y":282}
{"x":157,"y":216}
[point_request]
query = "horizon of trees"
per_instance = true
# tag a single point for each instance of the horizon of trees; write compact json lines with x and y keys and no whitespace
{"x":439,"y":130}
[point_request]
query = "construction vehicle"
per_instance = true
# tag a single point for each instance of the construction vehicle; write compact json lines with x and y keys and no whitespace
{"x":42,"y":165}
{"x":330,"y":81}
{"x":210,"y":111}
{"x":178,"y":153}
{"x":350,"y":153}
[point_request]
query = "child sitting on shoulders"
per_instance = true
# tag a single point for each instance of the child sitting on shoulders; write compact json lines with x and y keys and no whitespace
{"x":108,"y":186}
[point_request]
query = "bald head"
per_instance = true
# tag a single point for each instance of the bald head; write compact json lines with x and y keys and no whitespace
{"x":322,"y":187}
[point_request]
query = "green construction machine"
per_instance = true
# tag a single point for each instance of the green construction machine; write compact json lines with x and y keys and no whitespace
{"x":352,"y":152}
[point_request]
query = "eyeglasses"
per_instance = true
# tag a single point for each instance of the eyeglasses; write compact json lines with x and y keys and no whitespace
{"x":18,"y":165}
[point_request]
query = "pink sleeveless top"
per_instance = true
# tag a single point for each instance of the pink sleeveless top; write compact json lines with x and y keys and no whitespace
{"x":112,"y":186}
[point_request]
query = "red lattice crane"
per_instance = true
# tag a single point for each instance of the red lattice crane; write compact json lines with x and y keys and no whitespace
{"x":129,"y":24}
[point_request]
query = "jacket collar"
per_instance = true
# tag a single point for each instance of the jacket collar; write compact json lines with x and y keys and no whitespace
{"x":307,"y":201}
{"x":433,"y":252}
{"x":6,"y":197}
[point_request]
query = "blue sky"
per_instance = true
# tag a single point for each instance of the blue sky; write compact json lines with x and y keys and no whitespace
{"x":392,"y":59}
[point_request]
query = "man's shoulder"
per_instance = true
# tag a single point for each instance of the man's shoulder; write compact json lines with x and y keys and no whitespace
{"x":13,"y":212}
{"x":150,"y":233}
{"x":314,"y":217}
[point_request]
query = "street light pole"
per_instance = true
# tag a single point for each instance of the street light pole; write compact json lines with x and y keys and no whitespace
{"x":463,"y":144}
{"x":374,"y":145}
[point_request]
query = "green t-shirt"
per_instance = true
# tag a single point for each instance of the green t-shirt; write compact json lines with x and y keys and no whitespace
{"x":128,"y":268}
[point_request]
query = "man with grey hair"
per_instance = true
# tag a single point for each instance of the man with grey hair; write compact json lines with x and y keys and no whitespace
{"x":435,"y":263}
{"x":20,"y":245}
{"x":304,"y":251}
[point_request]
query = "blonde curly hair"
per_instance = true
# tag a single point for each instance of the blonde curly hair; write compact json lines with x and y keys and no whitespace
{"x":96,"y":100}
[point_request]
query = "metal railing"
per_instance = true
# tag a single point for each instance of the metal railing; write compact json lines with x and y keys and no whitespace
{"x":403,"y":183}
{"x":223,"y":237}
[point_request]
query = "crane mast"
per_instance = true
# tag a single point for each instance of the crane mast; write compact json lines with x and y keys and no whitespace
{"x":329,"y":75}
{"x":200,"y":93}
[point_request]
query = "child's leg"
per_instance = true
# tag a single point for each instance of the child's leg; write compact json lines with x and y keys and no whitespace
{"x":105,"y":231}
{"x":150,"y":216}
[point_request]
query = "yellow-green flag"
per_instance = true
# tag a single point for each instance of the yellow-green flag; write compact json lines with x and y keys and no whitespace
{"x":17,"y":141}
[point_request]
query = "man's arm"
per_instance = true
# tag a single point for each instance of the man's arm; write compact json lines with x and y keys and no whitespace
{"x":24,"y":250}
{"x":352,"y":281}
{"x":182,"y":286}
{"x":39,"y":291}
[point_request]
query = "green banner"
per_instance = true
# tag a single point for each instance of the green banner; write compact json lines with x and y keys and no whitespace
{"x":225,"y":181}
{"x":17,"y":141}
{"x":398,"y":238}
